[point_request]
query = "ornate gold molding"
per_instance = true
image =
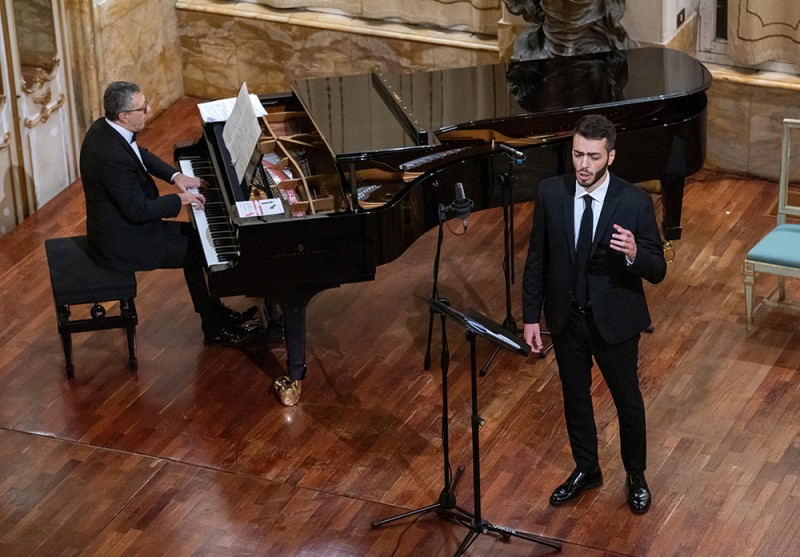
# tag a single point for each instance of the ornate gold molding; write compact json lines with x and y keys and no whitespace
{"x":41,"y":76}
{"x":44,"y":98}
{"x":45,"y":112}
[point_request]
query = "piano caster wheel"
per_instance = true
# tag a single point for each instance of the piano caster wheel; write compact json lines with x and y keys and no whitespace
{"x":288,"y":390}
{"x":669,"y":251}
{"x":133,"y":364}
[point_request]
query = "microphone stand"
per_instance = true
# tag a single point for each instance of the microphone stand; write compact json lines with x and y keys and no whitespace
{"x":460,"y":208}
{"x":507,"y":181}
{"x":442,"y":215}
{"x":446,"y":506}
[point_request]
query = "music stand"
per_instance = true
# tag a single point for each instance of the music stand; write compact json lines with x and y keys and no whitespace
{"x":476,"y":325}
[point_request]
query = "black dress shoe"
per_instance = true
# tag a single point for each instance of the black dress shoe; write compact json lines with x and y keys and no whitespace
{"x":232,"y":335}
{"x":232,"y":317}
{"x":575,"y":485}
{"x":639,"y":497}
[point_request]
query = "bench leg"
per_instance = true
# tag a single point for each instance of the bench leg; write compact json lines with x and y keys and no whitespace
{"x":62,"y":316}
{"x":128,"y":310}
{"x":66,"y":340}
{"x":133,"y":362}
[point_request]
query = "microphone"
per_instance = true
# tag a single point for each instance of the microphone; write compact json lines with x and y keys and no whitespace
{"x":511,"y":152}
{"x":462,"y":206}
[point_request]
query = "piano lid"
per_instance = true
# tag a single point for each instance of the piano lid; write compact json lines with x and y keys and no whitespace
{"x":378,"y":112}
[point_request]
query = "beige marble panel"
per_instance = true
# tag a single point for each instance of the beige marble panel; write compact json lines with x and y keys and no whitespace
{"x":139,"y":42}
{"x":728,"y":127}
{"x":275,"y":55}
{"x":112,"y":11}
{"x":478,"y":16}
{"x":746,"y":110}
{"x":768,"y":108}
{"x":208,"y":51}
{"x":220,"y":49}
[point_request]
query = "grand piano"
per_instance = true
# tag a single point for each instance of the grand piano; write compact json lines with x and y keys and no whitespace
{"x":355,"y":168}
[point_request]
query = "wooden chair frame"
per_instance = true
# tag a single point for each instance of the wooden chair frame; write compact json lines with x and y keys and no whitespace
{"x":753,"y":265}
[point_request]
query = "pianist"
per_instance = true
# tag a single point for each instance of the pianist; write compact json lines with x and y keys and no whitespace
{"x":124,"y":211}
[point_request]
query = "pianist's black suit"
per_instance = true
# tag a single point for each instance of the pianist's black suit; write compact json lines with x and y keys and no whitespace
{"x":619,"y":310}
{"x":124,"y":213}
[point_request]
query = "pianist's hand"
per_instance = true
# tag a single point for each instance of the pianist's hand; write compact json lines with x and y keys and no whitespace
{"x":184,"y":182}
{"x":195,"y":199}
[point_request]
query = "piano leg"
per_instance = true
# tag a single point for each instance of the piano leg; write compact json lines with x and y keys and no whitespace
{"x":293,"y":305}
{"x":672,"y":200}
{"x":294,"y":323}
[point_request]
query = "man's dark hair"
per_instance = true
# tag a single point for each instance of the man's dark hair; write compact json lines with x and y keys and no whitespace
{"x":595,"y":126}
{"x":117,"y":98}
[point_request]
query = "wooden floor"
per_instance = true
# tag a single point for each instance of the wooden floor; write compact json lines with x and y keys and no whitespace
{"x":195,"y":456}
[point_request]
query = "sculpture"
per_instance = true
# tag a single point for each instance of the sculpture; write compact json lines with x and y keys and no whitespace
{"x":569,"y":27}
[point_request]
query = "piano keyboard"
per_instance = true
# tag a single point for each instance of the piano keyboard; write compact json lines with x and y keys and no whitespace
{"x":217,"y":234}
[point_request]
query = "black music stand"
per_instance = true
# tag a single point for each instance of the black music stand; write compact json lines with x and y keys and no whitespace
{"x":476,"y":325}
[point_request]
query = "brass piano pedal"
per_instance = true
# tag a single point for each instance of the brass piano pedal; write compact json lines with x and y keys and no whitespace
{"x":288,"y":390}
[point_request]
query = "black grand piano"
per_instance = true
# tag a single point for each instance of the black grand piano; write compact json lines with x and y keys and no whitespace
{"x":354,"y":168}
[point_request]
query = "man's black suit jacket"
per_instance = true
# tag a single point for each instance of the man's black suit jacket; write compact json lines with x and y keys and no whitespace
{"x":615,"y":288}
{"x":123,"y":206}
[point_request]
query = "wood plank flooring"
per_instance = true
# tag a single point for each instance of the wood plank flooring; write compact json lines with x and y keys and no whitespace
{"x":193,"y":455}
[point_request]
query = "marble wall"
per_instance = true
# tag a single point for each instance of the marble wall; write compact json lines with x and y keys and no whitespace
{"x":745,"y":114}
{"x":478,"y":16}
{"x":224,"y":44}
{"x":127,"y":40}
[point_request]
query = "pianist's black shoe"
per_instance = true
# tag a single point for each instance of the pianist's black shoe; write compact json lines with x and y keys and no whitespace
{"x":232,"y":335}
{"x":576,"y":484}
{"x":232,"y":317}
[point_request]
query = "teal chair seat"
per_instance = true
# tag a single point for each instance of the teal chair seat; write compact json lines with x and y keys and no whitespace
{"x":779,"y":247}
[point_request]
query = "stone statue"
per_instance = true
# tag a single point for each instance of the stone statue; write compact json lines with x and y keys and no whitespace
{"x":569,"y":27}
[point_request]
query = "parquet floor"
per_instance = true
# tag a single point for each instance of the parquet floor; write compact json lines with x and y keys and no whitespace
{"x":193,"y":455}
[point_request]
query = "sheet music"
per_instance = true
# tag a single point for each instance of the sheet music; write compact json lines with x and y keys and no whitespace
{"x":480,"y":328}
{"x":241,"y":132}
{"x":220,"y":110}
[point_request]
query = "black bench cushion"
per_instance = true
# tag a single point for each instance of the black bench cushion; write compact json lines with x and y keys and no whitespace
{"x":76,"y":279}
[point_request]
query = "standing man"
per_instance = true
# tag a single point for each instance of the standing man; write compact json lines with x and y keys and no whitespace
{"x":124,"y":211}
{"x":594,"y":239}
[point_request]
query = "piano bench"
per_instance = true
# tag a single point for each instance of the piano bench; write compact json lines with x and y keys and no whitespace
{"x":76,"y":279}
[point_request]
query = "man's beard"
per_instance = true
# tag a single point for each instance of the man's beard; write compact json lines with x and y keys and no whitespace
{"x":595,"y":178}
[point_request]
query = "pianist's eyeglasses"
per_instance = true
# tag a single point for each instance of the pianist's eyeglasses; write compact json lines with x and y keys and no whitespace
{"x":142,"y":109}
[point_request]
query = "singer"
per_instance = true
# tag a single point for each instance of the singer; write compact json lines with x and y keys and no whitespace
{"x":594,"y":239}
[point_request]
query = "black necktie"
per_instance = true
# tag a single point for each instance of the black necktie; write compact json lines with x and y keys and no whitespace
{"x":582,"y":250}
{"x":133,"y":138}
